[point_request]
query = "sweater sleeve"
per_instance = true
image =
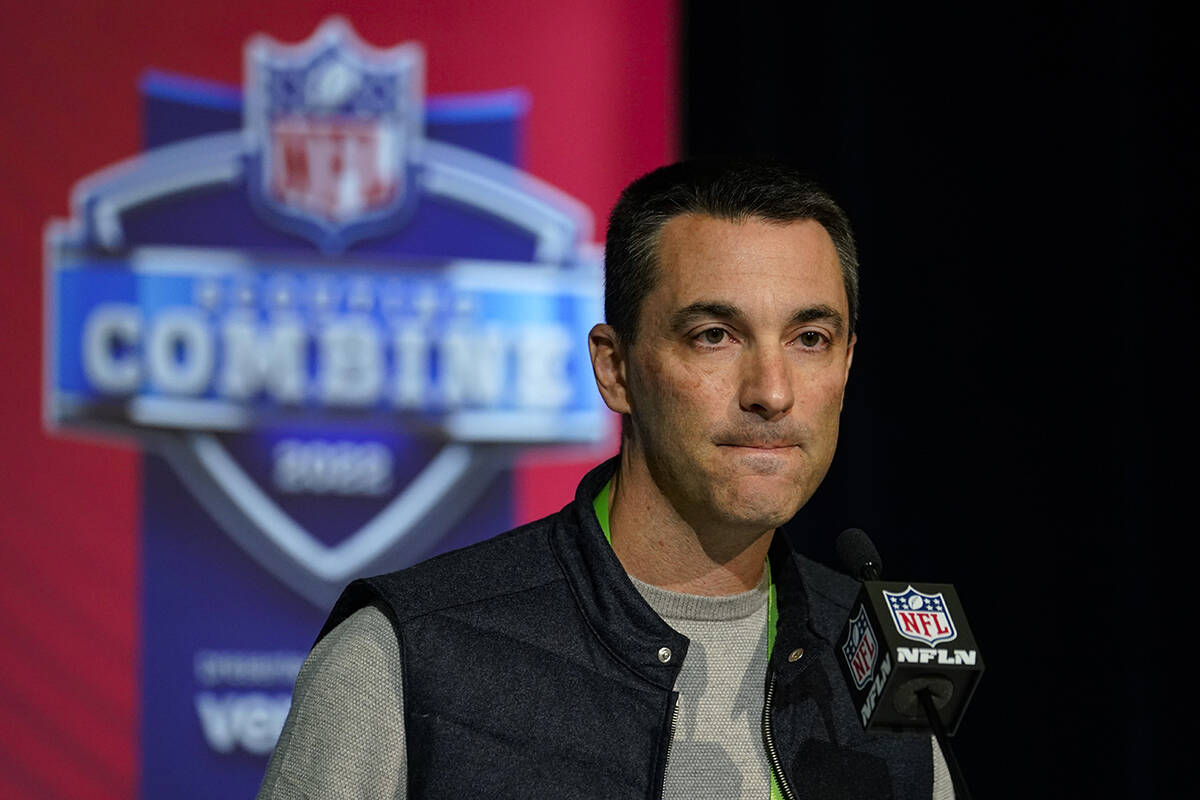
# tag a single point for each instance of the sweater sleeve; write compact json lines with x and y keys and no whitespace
{"x":344,"y":735}
{"x":943,"y":786}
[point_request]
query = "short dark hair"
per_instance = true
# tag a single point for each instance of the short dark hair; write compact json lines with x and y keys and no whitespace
{"x":731,"y":189}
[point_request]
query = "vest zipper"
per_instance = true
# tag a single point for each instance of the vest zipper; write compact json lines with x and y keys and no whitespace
{"x":769,"y":740}
{"x":670,"y":742}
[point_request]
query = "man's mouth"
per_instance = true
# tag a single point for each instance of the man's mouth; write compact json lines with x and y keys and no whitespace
{"x":759,"y":445}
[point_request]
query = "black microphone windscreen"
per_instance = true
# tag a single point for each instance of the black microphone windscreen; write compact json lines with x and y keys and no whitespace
{"x":858,"y":554}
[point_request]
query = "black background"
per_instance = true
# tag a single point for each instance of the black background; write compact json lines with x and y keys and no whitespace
{"x":1022,"y":182}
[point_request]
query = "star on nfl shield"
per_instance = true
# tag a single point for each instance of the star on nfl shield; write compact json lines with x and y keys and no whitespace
{"x":860,"y":648}
{"x":921,"y":617}
{"x":334,"y":126}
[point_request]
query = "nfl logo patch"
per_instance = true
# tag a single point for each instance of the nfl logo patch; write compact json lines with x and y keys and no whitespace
{"x":860,"y":648}
{"x":334,"y":126}
{"x":921,"y":617}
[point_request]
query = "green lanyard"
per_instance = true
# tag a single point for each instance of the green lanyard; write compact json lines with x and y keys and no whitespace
{"x":601,"y":504}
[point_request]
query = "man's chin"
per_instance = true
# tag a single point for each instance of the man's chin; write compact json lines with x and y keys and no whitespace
{"x":756,"y":515}
{"x":766,"y":496}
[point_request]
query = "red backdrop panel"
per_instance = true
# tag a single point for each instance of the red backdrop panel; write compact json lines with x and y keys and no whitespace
{"x":602,"y":78}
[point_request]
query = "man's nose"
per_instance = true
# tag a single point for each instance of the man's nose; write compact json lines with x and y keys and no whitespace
{"x":766,"y":387}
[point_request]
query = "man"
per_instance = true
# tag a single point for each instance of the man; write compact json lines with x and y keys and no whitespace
{"x":654,"y":638}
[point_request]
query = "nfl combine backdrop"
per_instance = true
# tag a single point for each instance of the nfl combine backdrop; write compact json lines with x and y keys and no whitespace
{"x":345,"y":323}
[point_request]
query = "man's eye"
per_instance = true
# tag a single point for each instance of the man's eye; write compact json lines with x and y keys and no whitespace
{"x":713,"y":336}
{"x":811,"y":339}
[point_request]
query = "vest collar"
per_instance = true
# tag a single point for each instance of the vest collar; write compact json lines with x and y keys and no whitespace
{"x":614,"y":610}
{"x":622,"y":619}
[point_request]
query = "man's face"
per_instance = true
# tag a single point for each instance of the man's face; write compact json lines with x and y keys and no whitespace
{"x":736,"y":378}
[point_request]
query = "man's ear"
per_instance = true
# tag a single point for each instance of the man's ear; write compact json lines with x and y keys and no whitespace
{"x":608,"y":365}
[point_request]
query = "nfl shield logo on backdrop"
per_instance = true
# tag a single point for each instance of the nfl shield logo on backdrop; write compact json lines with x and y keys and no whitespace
{"x":921,"y":617}
{"x":860,"y":648}
{"x":334,"y":127}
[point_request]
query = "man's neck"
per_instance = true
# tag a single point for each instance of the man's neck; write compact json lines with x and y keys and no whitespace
{"x":657,"y":545}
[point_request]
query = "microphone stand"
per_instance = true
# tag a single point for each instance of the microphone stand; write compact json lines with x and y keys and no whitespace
{"x":961,"y":792}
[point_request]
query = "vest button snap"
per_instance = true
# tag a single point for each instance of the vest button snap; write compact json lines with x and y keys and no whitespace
{"x":795,"y":654}
{"x":664,"y":654}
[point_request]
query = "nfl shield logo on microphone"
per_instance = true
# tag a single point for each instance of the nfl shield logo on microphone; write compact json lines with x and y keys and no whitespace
{"x":921,"y":617}
{"x":860,"y":648}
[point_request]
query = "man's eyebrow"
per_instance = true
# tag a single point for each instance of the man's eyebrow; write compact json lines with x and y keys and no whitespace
{"x":820,"y":312}
{"x":685,"y":316}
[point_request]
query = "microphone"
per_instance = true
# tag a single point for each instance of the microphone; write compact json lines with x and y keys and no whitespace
{"x":903,"y":641}
{"x":896,"y":684}
{"x":857,"y":552}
